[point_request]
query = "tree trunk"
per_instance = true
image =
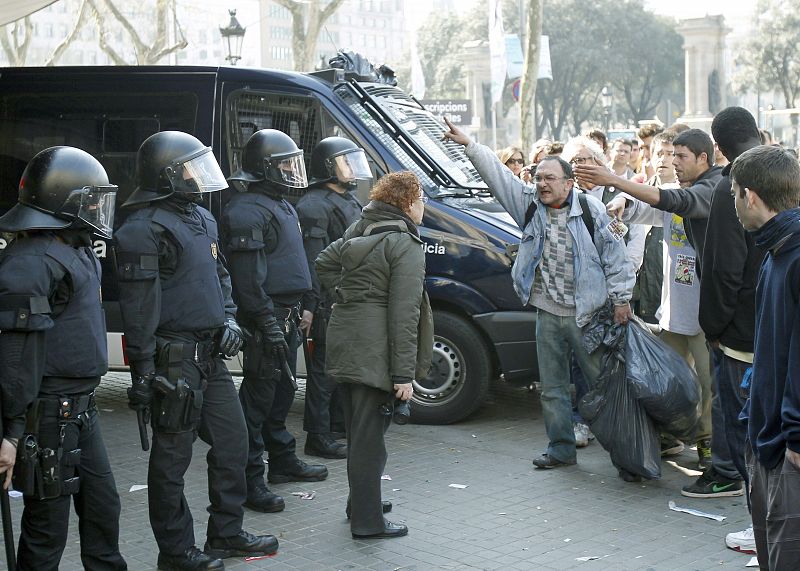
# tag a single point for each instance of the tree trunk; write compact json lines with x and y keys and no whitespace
{"x":308,"y":18}
{"x":60,"y":48}
{"x":16,"y":52}
{"x":530,"y":74}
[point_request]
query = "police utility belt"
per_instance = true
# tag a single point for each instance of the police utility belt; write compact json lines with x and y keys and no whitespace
{"x":179,"y":398}
{"x":288,"y":316}
{"x":42,"y":472}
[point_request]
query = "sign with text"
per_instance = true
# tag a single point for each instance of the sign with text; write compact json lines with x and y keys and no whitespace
{"x":458,"y":111}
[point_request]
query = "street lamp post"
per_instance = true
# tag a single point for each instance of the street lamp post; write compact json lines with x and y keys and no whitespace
{"x":233,"y":34}
{"x":607,"y":100}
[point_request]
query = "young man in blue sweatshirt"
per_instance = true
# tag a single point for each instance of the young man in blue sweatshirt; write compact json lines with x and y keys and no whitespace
{"x":765,"y":183}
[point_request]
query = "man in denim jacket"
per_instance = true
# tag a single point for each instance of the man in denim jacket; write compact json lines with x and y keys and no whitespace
{"x":564,"y":272}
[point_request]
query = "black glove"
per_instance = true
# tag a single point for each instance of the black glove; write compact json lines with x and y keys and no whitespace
{"x":275,"y":340}
{"x":231,"y":339}
{"x":140,"y":395}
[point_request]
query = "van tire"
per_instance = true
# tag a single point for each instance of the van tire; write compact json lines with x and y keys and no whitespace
{"x":460,"y":373}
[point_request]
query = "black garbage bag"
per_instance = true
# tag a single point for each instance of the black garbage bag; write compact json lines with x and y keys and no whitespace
{"x":616,"y":418}
{"x":663,"y":382}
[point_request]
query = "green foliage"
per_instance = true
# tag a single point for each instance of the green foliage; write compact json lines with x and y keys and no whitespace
{"x":606,"y":42}
{"x":770,"y":59}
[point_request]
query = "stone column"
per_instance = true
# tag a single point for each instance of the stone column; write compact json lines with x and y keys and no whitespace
{"x":704,"y":50}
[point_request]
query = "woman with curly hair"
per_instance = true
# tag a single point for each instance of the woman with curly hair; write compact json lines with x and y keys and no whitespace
{"x":380,"y":336}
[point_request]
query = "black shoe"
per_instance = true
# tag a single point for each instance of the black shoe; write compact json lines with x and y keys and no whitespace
{"x":242,"y":545}
{"x":386,"y":506}
{"x":324,"y":446}
{"x":545,"y":462}
{"x":298,"y":471}
{"x":712,"y":485}
{"x":389,"y":530}
{"x":262,"y":500}
{"x":190,"y":560}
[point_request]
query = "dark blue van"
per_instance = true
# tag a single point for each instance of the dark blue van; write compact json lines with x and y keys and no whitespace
{"x":481,"y":329}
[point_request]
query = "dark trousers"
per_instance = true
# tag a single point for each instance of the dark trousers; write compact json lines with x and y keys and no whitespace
{"x":366,"y":458}
{"x":318,"y":417}
{"x":44,"y":525}
{"x":266,"y":395}
{"x":222,"y":427}
{"x":730,"y":398}
{"x":775,"y":503}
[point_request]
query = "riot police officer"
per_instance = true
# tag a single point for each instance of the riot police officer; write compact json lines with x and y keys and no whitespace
{"x":326,"y":211}
{"x":178,"y":318}
{"x":269,"y":272}
{"x":52,"y":354}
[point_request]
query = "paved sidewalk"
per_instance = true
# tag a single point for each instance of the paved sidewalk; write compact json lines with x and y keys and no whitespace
{"x":509,"y":517}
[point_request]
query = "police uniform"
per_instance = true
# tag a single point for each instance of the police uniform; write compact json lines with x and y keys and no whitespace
{"x":264,"y":250}
{"x":324,"y":216}
{"x":175,"y":295}
{"x":52,"y":354}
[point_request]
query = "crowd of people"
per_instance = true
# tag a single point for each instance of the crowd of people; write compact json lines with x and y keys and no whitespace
{"x":699,"y":237}
{"x":709,"y":259}
{"x":268,"y":279}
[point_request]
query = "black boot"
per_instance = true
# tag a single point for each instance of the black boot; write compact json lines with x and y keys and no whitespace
{"x":297,"y":471}
{"x":190,"y":560}
{"x":261,"y":499}
{"x":324,"y":446}
{"x":242,"y":545}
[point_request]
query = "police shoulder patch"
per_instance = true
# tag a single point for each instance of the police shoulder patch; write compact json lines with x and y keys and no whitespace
{"x":214,"y":250}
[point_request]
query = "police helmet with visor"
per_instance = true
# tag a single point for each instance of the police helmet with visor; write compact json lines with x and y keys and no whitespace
{"x":173,"y":162}
{"x":272,"y":156}
{"x":63,"y":187}
{"x":339,"y":160}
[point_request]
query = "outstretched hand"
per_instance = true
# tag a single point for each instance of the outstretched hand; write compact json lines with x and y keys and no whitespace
{"x":455,"y":134}
{"x":595,"y":175}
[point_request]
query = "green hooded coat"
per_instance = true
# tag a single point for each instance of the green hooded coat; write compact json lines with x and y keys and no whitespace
{"x":381,"y":326}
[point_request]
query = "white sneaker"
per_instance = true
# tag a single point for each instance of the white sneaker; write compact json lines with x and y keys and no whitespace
{"x":743,"y":541}
{"x":581,"y":435}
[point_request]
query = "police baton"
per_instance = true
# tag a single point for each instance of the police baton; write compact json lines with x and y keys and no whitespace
{"x":287,"y":370}
{"x":8,"y":530}
{"x":142,"y":419}
{"x":5,"y":510}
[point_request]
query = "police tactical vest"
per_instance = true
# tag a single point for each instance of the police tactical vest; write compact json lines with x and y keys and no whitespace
{"x":346,"y":211}
{"x":287,"y":263}
{"x":191,"y":298}
{"x":76,"y":345}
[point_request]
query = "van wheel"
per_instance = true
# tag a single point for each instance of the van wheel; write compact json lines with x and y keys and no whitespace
{"x":459,"y":377}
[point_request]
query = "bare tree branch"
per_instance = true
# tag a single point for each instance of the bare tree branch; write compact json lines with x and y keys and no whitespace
{"x":102,"y":33}
{"x":16,"y":51}
{"x":60,"y":48}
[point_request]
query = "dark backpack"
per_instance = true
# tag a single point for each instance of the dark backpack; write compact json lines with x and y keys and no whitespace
{"x":586,"y":216}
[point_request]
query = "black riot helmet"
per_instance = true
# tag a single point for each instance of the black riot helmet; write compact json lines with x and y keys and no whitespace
{"x":273,"y":157}
{"x":173,"y":162}
{"x":63,"y":187}
{"x":339,"y":160}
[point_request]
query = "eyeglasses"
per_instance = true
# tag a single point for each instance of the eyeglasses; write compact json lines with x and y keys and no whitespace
{"x":517,"y":161}
{"x":549,"y":179}
{"x":580,"y":160}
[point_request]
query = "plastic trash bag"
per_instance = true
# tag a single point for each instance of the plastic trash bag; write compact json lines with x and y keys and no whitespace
{"x":618,"y":420}
{"x":663,"y":382}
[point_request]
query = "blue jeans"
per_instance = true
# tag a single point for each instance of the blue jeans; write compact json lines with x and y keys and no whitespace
{"x":556,"y":338}
{"x":728,"y":435}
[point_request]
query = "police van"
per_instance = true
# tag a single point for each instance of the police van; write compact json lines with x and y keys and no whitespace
{"x":481,"y":328}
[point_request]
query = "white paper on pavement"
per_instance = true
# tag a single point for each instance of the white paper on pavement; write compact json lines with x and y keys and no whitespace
{"x":753,"y":562}
{"x":137,"y":487}
{"x":692,"y":511}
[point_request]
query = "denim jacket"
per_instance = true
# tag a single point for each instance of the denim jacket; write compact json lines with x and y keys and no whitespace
{"x":602,"y":269}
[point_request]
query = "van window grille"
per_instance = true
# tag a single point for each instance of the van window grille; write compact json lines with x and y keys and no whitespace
{"x":250,"y":111}
{"x":418,"y":124}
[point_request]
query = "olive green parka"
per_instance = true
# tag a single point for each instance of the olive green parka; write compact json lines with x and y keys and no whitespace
{"x":381,"y":327}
